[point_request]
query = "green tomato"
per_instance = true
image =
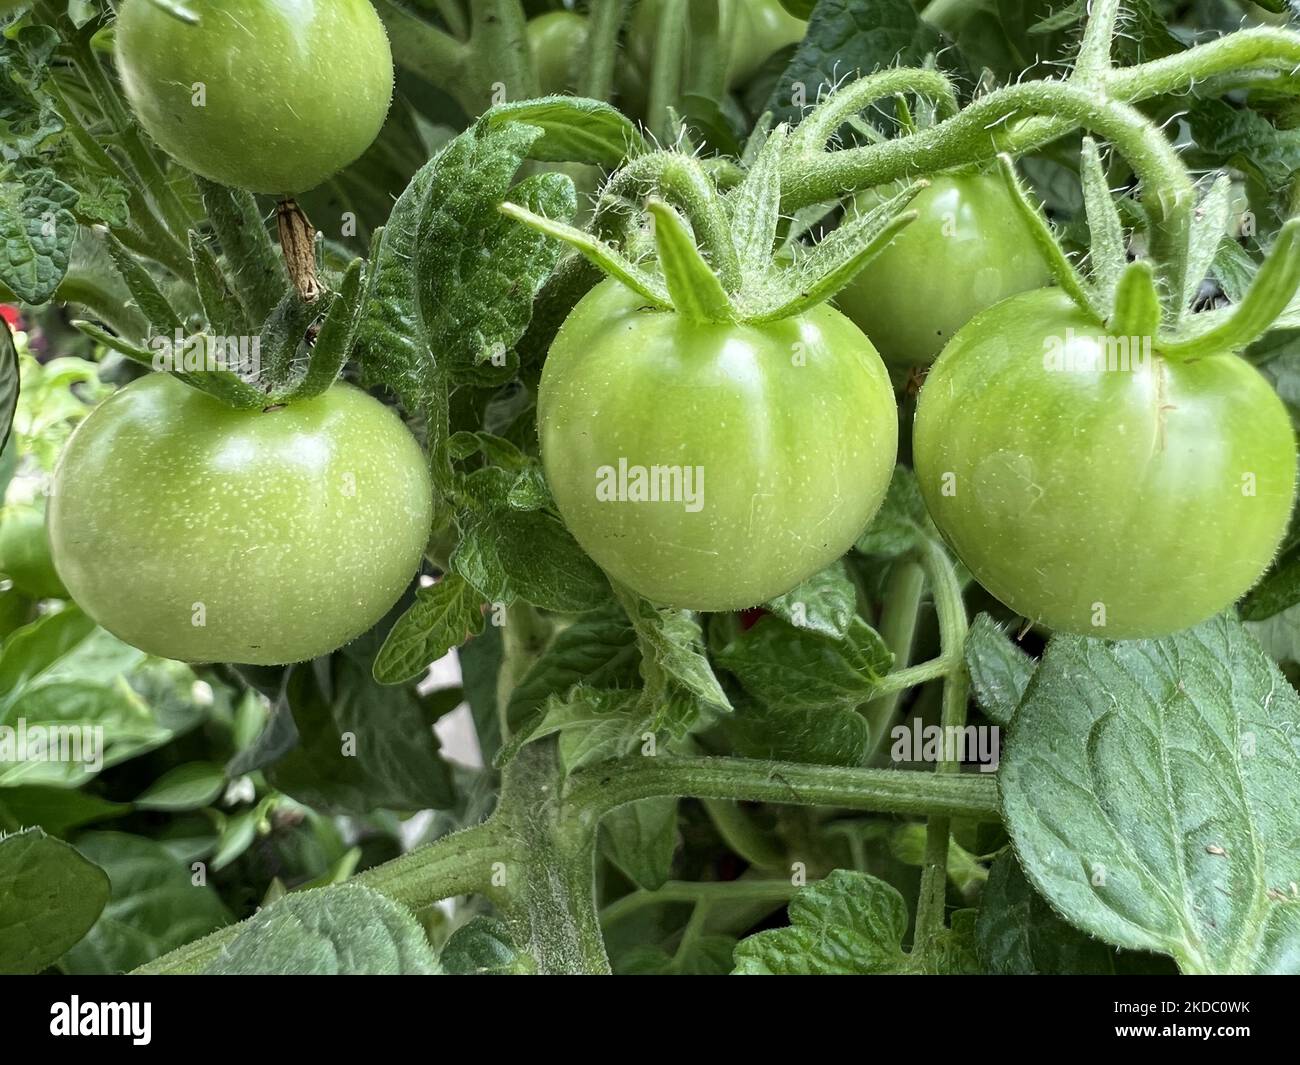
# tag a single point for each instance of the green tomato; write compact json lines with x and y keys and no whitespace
{"x":269,"y":95}
{"x":1095,"y":490}
{"x":769,"y":447}
{"x":25,"y":553}
{"x":558,"y":40}
{"x":198,"y":532}
{"x":967,"y":249}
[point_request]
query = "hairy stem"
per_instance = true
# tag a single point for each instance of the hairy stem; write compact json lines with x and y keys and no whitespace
{"x":952,"y":634}
{"x":729,"y":891}
{"x":550,"y":900}
{"x":898,"y":629}
{"x":986,"y":128}
{"x":598,"y":790}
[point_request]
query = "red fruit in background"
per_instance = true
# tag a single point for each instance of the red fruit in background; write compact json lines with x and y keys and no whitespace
{"x":10,"y":315}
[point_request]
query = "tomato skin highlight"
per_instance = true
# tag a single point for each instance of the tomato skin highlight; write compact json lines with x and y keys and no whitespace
{"x":287,"y":533}
{"x":793,"y":424}
{"x":967,"y":249}
{"x":1112,"y":496}
{"x":294,"y":90}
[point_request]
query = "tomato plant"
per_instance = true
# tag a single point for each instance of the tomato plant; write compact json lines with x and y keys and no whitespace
{"x":750,"y":494}
{"x":1149,"y":496}
{"x":253,"y":533}
{"x":513,"y":556}
{"x":276,"y":96}
{"x":967,"y":249}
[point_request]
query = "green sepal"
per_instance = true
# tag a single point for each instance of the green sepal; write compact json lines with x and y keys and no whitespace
{"x":1109,"y":254}
{"x":162,"y":317}
{"x":224,"y":385}
{"x":257,"y":272}
{"x":600,"y":253}
{"x":694,"y":288}
{"x":337,"y":335}
{"x":283,"y":335}
{"x":1137,"y":303}
{"x":1272,"y":290}
{"x":832,"y":263}
{"x":755,"y":208}
{"x":221,"y":307}
{"x":1057,"y":261}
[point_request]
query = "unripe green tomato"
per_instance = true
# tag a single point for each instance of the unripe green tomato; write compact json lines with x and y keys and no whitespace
{"x":558,"y":40}
{"x":269,"y":95}
{"x":772,"y":446}
{"x":1092,"y":489}
{"x":967,"y":249}
{"x":198,"y":532}
{"x":25,"y":553}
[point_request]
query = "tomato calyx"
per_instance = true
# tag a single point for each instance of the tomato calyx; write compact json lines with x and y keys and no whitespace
{"x":295,"y":352}
{"x":1135,"y":300}
{"x":715,"y":251}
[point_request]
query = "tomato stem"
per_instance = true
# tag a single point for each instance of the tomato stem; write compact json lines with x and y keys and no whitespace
{"x":953,"y":627}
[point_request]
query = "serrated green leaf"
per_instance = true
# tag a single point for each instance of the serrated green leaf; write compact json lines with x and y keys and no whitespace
{"x":477,"y":271}
{"x":850,"y":923}
{"x":824,"y":603}
{"x":594,"y":725}
{"x":344,"y":930}
{"x":443,"y":616}
{"x":900,"y":522}
{"x":360,"y":746}
{"x":794,"y":668}
{"x":847,"y":37}
{"x":507,"y":554}
{"x":599,"y":649}
{"x":823,"y":735}
{"x":37,"y":231}
{"x":680,"y":683}
{"x":1142,"y":802}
